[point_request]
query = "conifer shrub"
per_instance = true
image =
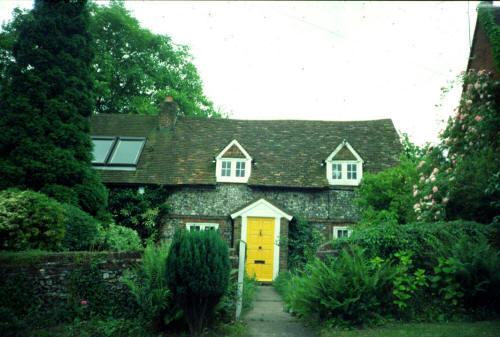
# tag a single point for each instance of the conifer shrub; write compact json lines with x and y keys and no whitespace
{"x":198,"y":275}
{"x":80,"y":229}
{"x":30,"y":220}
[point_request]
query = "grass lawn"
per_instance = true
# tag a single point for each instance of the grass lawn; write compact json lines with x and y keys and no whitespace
{"x":455,"y":329}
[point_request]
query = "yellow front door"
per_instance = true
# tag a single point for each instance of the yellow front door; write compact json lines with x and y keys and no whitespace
{"x":260,"y":248}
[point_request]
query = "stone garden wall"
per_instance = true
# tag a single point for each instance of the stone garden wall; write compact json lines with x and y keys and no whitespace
{"x":50,"y":274}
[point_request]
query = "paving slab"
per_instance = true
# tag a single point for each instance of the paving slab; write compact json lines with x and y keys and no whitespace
{"x":267,"y":318}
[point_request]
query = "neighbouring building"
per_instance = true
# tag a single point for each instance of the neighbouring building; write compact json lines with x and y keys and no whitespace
{"x":485,"y":49}
{"x":247,"y":178}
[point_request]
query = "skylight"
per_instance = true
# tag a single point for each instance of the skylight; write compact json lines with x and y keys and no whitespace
{"x":102,"y":149}
{"x":117,"y":153}
{"x":127,"y":151}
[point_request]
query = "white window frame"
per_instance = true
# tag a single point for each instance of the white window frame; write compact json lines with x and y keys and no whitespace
{"x":233,"y":178}
{"x":344,"y":181}
{"x":341,"y":228}
{"x":203,"y":225}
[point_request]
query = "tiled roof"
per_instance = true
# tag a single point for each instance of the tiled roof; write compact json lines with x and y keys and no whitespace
{"x":286,"y":153}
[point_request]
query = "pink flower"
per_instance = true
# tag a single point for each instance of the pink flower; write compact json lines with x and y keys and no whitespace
{"x":83,"y":302}
{"x":433,"y":202}
{"x":478,"y":118}
{"x":430,"y":196}
{"x":480,"y":72}
{"x":477,"y":85}
{"x":468,"y":102}
{"x":415,"y":193}
{"x":445,"y":200}
{"x":463,"y":126}
{"x":462,"y":72}
{"x":415,"y":187}
{"x":433,"y":179}
{"x":435,"y":189}
{"x":421,"y":179}
{"x":485,"y":85}
{"x":422,"y":163}
{"x":436,"y":170}
{"x":416,"y":206}
{"x":419,"y":218}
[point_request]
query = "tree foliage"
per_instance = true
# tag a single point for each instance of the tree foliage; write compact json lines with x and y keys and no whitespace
{"x":46,"y":100}
{"x":133,"y":69}
{"x":198,"y":274}
{"x":386,"y":197}
{"x":136,"y":69}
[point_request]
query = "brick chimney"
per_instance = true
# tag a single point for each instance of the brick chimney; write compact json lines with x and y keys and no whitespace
{"x":168,"y":114}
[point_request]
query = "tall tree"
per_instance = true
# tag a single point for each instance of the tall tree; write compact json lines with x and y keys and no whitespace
{"x":46,"y":100}
{"x":136,"y":69}
{"x":133,"y":68}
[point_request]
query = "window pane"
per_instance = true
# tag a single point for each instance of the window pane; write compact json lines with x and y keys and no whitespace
{"x":226,"y":168}
{"x":336,"y":171}
{"x":127,"y":152}
{"x":101,"y":149}
{"x":351,"y":171}
{"x":240,"y":169}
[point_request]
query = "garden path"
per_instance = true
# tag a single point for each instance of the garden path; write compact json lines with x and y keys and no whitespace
{"x":267,"y":318}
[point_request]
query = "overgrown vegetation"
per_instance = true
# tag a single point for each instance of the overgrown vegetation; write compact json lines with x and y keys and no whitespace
{"x":141,"y":212}
{"x":302,"y":242}
{"x":433,"y":271}
{"x":147,"y":282}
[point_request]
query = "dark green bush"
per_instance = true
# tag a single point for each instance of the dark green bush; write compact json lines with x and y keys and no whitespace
{"x":474,"y":268}
{"x":198,"y":274}
{"x":80,"y":229}
{"x":63,"y":194}
{"x":347,"y":290}
{"x":141,"y":212}
{"x":427,"y":241}
{"x":30,"y":220}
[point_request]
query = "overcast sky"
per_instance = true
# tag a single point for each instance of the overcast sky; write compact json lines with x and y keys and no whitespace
{"x":321,"y":60}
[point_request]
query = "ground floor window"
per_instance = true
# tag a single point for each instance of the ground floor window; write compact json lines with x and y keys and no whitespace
{"x":201,"y":226}
{"x":341,"y":232}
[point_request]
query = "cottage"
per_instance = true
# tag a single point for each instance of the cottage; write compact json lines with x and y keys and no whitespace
{"x":246,"y":178}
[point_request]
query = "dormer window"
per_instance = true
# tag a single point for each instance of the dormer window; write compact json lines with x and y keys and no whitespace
{"x":233,"y":164}
{"x":344,"y":166}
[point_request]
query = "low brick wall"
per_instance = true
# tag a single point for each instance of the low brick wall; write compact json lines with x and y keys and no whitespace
{"x":49,"y":273}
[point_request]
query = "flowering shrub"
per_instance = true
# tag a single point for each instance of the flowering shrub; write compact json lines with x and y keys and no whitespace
{"x":456,"y":173}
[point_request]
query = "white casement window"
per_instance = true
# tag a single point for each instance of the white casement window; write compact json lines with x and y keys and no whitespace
{"x":336,"y":171}
{"x":201,"y":226}
{"x":226,"y":168}
{"x":233,"y":164}
{"x":341,"y":232}
{"x":240,"y":168}
{"x":341,"y":171}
